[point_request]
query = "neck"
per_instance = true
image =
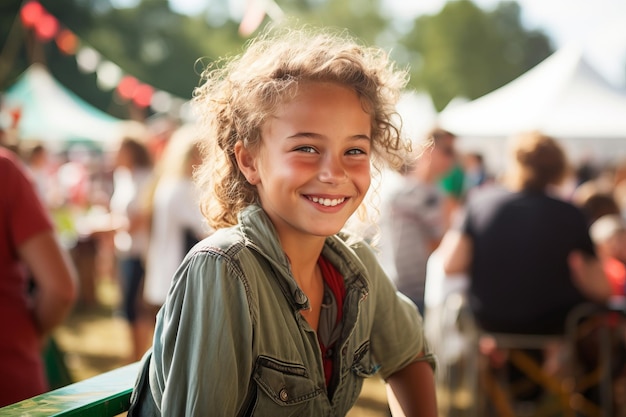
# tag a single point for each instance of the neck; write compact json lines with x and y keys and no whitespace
{"x":303,"y":256}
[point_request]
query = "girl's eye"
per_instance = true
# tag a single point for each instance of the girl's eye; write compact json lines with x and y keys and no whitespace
{"x":306,"y":149}
{"x":356,"y":151}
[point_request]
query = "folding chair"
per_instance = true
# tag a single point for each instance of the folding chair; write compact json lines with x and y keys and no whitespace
{"x":495,"y":395}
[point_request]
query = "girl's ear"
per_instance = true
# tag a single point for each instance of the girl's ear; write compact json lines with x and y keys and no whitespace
{"x":247,"y":163}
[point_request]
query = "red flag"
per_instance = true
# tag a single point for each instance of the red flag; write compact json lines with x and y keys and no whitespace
{"x":253,"y":17}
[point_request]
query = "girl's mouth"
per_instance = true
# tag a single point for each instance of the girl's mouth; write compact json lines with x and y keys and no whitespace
{"x":327,"y":202}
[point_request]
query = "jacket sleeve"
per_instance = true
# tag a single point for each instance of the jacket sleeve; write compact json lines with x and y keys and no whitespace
{"x":203,"y":337}
{"x":397,"y":335}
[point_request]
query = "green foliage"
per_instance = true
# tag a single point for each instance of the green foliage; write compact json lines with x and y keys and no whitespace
{"x":465,"y":51}
{"x":13,"y":58}
{"x":461,"y":51}
{"x":362,"y":18}
{"x":150,"y":42}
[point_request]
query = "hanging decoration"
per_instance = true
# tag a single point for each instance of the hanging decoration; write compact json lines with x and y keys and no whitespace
{"x":109,"y":76}
{"x":255,"y":13}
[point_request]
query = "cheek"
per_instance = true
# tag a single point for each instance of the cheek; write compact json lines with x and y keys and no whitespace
{"x":362,"y":176}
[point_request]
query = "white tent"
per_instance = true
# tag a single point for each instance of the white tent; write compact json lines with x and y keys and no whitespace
{"x":417,"y":112}
{"x":52,"y":113}
{"x":563,"y":96}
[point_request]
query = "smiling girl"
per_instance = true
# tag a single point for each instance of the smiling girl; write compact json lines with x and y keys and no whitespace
{"x":279,"y":312}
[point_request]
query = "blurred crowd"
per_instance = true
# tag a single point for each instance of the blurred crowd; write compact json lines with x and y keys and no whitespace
{"x":518,"y":252}
{"x":519,"y":245}
{"x":125,"y":212}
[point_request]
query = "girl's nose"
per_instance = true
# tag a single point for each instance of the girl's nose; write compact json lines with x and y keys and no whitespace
{"x":332,"y":169}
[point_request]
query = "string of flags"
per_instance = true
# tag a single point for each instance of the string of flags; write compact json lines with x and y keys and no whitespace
{"x":255,"y":13}
{"x":109,"y":76}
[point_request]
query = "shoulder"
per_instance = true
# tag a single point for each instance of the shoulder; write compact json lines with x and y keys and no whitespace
{"x":226,"y":243}
{"x":10,"y":165}
{"x":567,"y":208}
{"x":211,"y":267}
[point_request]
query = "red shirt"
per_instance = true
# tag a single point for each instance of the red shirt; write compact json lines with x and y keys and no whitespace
{"x":22,"y":216}
{"x":616,"y":273}
{"x":333,"y":280}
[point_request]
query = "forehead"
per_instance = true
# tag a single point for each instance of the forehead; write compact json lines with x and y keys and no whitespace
{"x":322,"y":100}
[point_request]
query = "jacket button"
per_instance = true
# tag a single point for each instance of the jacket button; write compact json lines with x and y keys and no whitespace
{"x":300,"y":297}
{"x":283,"y":395}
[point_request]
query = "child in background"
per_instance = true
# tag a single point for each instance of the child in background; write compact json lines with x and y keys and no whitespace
{"x":278,"y":312}
{"x":609,"y":235}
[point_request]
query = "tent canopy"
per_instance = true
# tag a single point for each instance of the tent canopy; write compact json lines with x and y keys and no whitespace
{"x":563,"y":96}
{"x":417,"y":113}
{"x":52,"y":113}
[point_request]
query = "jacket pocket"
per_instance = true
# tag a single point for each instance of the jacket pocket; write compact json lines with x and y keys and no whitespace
{"x":362,"y":364}
{"x":285,"y":389}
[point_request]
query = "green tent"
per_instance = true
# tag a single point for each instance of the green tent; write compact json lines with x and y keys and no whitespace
{"x":52,"y":113}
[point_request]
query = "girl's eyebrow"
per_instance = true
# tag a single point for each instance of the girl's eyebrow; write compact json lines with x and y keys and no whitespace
{"x":299,"y":135}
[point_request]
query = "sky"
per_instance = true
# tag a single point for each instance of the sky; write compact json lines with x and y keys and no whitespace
{"x":595,"y":26}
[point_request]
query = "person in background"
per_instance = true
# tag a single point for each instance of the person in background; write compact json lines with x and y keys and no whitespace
{"x":475,"y":172}
{"x":609,"y":235}
{"x":413,"y":216}
{"x":176,"y":221}
{"x":29,"y":311}
{"x":596,"y":199}
{"x":452,"y":184}
{"x":520,"y":243}
{"x":38,"y":163}
{"x":131,"y":179}
{"x":527,"y":253}
{"x":278,"y":312}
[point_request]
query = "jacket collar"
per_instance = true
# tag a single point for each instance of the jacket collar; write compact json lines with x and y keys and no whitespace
{"x":259,"y":233}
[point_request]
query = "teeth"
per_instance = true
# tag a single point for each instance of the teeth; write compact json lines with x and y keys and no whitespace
{"x":327,"y":201}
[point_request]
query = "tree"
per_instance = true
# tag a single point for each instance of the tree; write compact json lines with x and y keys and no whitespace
{"x":149,"y":42}
{"x":160,"y":48}
{"x":12,"y":53}
{"x":465,"y":51}
{"x":462,"y":51}
{"x":362,"y":18}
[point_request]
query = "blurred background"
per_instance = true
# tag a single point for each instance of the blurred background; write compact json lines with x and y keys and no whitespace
{"x":77,"y":75}
{"x":140,"y":60}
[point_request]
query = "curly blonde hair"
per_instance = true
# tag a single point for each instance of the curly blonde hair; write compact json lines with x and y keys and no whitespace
{"x":238,"y":95}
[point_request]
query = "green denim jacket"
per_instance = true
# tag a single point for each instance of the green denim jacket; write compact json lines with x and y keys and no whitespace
{"x":230,"y":339}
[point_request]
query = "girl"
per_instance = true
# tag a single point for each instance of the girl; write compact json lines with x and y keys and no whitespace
{"x":278,"y":313}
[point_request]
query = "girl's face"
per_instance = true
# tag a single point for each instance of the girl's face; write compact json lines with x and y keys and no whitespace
{"x":312,"y":169}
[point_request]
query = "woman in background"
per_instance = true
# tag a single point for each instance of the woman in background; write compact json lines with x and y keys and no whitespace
{"x":131,"y":178}
{"x":176,"y":221}
{"x":29,"y":248}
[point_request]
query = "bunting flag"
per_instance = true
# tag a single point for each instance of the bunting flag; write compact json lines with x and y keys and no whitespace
{"x":109,"y":76}
{"x":255,"y":13}
{"x":252,"y":17}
